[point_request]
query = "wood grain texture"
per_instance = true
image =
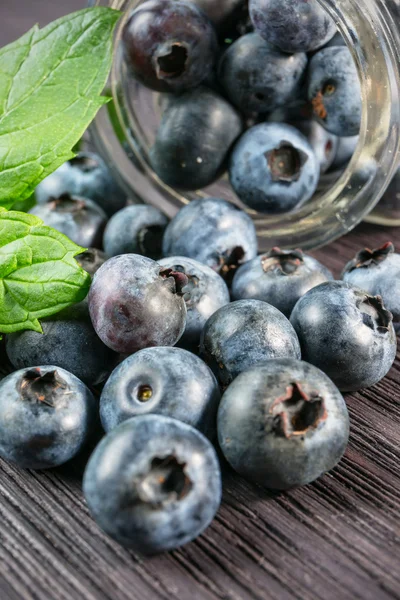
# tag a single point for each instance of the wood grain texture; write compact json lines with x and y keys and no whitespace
{"x":337,"y":539}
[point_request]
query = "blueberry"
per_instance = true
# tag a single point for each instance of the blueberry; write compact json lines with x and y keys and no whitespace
{"x":273,"y":168}
{"x":91,"y":260}
{"x":243,"y":334}
{"x":347,"y":333}
{"x":337,"y":40}
{"x":163,"y":381}
{"x":257,"y":77}
{"x":324,"y":144}
{"x":299,"y":110}
{"x":136,"y":230}
{"x":135,"y":304}
{"x":344,"y":152}
{"x":283,"y":424}
{"x":219,"y":12}
{"x":80,"y":219}
{"x":85,"y":175}
{"x":153,"y":484}
{"x":335,"y":92}
{"x":205,"y":293}
{"x":169,"y":45}
{"x":292,"y":25}
{"x":46,"y":417}
{"x":280,"y":277}
{"x":68,"y":341}
{"x":193,"y":140}
{"x":378,"y":273}
{"x":214,"y":232}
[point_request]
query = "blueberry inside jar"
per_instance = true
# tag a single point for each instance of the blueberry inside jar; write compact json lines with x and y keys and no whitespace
{"x":259,"y":107}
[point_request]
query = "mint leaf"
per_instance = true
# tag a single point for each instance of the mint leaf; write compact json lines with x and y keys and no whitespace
{"x":50,"y":86}
{"x":38,"y":273}
{"x":26,"y":205}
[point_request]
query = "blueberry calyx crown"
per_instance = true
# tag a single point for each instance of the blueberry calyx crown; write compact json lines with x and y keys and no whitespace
{"x":374,"y":314}
{"x":328,"y":148}
{"x":367,"y":258}
{"x":318,"y":105}
{"x":171,"y":61}
{"x":42,"y":389}
{"x":191,"y":291}
{"x":144,"y":393}
{"x":66,"y":204}
{"x":282,"y":262}
{"x":86,"y":164}
{"x":176,"y":279}
{"x":296,"y":412}
{"x":165,"y":482}
{"x":286,"y":162}
{"x":317,"y":102}
{"x":229,"y":262}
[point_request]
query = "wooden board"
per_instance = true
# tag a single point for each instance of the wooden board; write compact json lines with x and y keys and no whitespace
{"x":336,"y":539}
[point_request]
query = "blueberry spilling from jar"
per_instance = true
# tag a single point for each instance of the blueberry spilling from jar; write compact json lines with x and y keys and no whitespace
{"x":211,"y":93}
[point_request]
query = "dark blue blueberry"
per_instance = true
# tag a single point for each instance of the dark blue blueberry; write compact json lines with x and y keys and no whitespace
{"x":91,"y":260}
{"x":300,"y":110}
{"x":196,"y":133}
{"x":213,"y":232}
{"x":378,"y":273}
{"x":163,"y":381}
{"x":169,"y":45}
{"x":257,"y":77}
{"x":347,"y":333}
{"x":153,"y":484}
{"x":136,"y":304}
{"x":68,"y":341}
{"x":244,"y":333}
{"x":136,"y":230}
{"x":204,"y":294}
{"x":273,"y":168}
{"x":344,"y":152}
{"x":292,"y":25}
{"x":85,"y":175}
{"x":280,"y":277}
{"x":335,"y":92}
{"x":80,"y":219}
{"x":46,"y":417}
{"x":283,"y":424}
{"x":220,"y":11}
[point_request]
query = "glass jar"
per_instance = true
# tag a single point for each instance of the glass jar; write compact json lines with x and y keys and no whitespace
{"x":125,"y":129}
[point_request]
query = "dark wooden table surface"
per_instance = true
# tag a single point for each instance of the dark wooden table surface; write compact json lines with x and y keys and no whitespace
{"x":336,"y":539}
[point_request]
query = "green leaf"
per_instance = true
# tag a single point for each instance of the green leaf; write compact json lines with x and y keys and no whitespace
{"x":38,"y":273}
{"x":50,"y":85}
{"x":26,"y":205}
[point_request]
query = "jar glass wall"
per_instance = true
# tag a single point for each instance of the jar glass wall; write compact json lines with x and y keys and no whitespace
{"x":125,"y":130}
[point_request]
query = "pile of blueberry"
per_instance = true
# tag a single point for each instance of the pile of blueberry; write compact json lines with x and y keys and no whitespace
{"x":266,"y":89}
{"x":197,"y":351}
